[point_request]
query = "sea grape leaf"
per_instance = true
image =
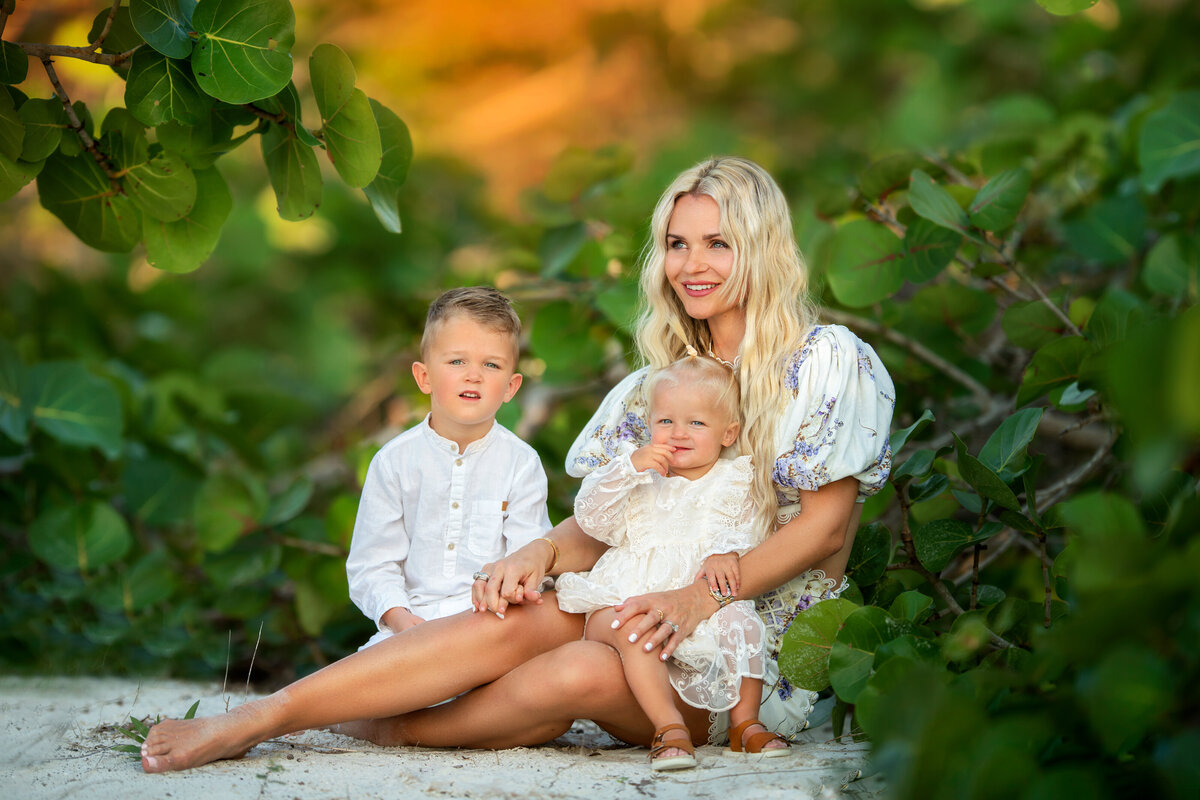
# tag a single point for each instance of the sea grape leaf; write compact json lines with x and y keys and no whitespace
{"x":243,"y":52}
{"x":74,"y":406}
{"x":79,"y":537}
{"x":164,"y":24}
{"x":163,"y":187}
{"x":1008,"y":442}
{"x":383,"y":192}
{"x":294,"y":172}
{"x":928,"y":249}
{"x":1169,"y":144}
{"x":160,"y":89}
{"x":185,"y":244}
{"x":934,"y":203}
{"x":352,"y":141}
{"x":865,"y":263}
{"x":44,"y":121}
{"x":997,"y":204}
{"x":804,"y":651}
{"x":983,"y":479}
{"x":1055,"y":364}
{"x":76,"y":190}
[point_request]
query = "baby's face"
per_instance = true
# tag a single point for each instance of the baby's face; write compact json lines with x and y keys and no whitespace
{"x":686,"y":418}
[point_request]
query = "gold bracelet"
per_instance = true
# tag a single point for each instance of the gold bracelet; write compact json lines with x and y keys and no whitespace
{"x":553,"y":547}
{"x":722,"y":600}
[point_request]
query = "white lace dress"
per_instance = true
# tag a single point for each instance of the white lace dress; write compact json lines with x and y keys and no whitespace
{"x":661,"y":529}
{"x":835,"y":424}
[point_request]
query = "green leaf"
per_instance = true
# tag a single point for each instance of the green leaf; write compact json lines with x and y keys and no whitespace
{"x":929,"y":488}
{"x":561,"y":335}
{"x":288,"y":505}
{"x":191,"y":712}
{"x":44,"y":121}
{"x":804,"y":651}
{"x":870,"y":554}
{"x":917,"y":465}
{"x":224,"y":509}
{"x":76,"y":190}
{"x":928,"y":249}
{"x":997,"y":204}
{"x":14,"y":64}
{"x":1117,"y":312}
{"x":935,"y":204}
{"x":12,"y":130}
{"x":1008,"y":442}
{"x":160,"y":89}
{"x":243,"y":52}
{"x":352,"y":141}
{"x":332,"y":77}
{"x":294,"y":172}
{"x":865,"y":263}
{"x":900,"y":437}
{"x":1056,"y":364}
{"x":14,"y":413}
{"x":912,"y":606}
{"x":560,"y":246}
{"x":1126,"y":695}
{"x":383,"y":193}
{"x":1064,"y":8}
{"x":953,"y":305}
{"x":185,"y":244}
{"x":983,"y":479}
{"x":1111,"y":232}
{"x":71,"y":144}
{"x":1172,"y":266}
{"x":939,"y":540}
{"x":74,"y":406}
{"x":164,"y":24}
{"x":1032,"y":324}
{"x":196,"y":144}
{"x":968,"y":635}
{"x":163,"y":187}
{"x":888,"y":174}
{"x":853,"y":654}
{"x":80,"y":536}
{"x":619,"y":304}
{"x":1169,"y":144}
{"x":159,"y":491}
{"x":14,"y":175}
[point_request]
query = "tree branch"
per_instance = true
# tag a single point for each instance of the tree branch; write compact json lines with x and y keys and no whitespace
{"x":112,"y":15}
{"x":44,"y":52}
{"x":89,"y":143}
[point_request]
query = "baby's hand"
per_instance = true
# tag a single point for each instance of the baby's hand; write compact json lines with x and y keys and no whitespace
{"x":653,"y":456}
{"x":723,"y":572}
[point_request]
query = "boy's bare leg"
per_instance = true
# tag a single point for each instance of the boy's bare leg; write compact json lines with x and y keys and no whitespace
{"x":406,"y":672}
{"x":533,"y":704}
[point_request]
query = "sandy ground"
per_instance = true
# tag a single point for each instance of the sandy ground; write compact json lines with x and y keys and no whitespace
{"x":57,"y":734}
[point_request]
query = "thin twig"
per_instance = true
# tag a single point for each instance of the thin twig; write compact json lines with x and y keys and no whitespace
{"x":252,"y":657}
{"x":46,"y":51}
{"x":89,"y":143}
{"x":112,"y":15}
{"x":980,"y":392}
{"x":225,"y":680}
{"x":1067,"y":484}
{"x":1045,"y":298}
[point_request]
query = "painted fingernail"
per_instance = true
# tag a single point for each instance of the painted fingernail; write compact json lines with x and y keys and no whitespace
{"x":647,"y":647}
{"x":632,"y":637}
{"x":498,"y":614}
{"x":616,"y":624}
{"x":663,"y":657}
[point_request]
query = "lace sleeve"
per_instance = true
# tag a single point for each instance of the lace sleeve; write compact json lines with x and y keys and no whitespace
{"x":603,"y":497}
{"x":736,"y":527}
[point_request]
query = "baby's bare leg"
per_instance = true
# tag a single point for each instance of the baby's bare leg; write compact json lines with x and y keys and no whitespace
{"x":411,"y":670}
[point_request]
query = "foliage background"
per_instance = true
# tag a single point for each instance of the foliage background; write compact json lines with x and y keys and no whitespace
{"x":254,"y":391}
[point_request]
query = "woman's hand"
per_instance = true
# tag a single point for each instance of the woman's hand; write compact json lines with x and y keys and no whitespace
{"x":652,"y":615}
{"x":513,"y":580}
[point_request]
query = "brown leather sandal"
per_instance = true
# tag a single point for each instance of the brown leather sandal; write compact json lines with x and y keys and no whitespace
{"x":754,"y":745}
{"x":660,"y":743}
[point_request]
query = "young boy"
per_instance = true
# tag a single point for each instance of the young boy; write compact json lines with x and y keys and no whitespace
{"x":456,"y":491}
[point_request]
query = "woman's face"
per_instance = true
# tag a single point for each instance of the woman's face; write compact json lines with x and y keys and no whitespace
{"x":699,"y":260}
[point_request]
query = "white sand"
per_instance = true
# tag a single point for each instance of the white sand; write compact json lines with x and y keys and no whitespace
{"x":57,"y":735}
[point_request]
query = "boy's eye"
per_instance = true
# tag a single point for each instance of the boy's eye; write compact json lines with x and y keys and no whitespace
{"x":456,"y":361}
{"x":492,"y":364}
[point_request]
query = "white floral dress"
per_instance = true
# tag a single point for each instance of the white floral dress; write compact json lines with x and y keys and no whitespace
{"x":661,"y":530}
{"x":835,"y":425}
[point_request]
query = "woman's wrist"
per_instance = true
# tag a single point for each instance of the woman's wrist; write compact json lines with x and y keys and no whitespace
{"x":553,"y":552}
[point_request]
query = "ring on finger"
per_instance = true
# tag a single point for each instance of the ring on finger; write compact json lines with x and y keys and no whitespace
{"x":660,"y":615}
{"x":481,"y":576}
{"x":674,"y":627}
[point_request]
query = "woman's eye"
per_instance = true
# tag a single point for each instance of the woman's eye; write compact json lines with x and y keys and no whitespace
{"x":719,"y":244}
{"x":676,"y":244}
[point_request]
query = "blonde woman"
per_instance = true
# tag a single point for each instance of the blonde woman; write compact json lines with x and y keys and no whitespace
{"x":722,"y":274}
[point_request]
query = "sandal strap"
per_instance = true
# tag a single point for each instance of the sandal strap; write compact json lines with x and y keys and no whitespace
{"x":736,"y":732}
{"x":684,"y":742}
{"x":755,"y":743}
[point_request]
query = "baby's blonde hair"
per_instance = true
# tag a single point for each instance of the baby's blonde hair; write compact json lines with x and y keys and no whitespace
{"x":769,"y":279}
{"x":703,"y":375}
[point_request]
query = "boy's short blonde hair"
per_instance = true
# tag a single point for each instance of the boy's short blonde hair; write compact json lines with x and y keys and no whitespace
{"x":705,"y":375}
{"x":483,"y":304}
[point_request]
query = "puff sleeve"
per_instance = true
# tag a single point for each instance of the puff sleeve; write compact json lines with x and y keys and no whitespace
{"x":617,"y":428}
{"x":837,"y":422}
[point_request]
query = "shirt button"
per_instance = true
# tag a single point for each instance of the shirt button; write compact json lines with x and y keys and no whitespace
{"x":450,"y":546}
{"x":458,"y":462}
{"x":454,"y":504}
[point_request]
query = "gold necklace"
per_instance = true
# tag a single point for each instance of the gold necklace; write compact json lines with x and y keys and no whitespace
{"x":731,"y":364}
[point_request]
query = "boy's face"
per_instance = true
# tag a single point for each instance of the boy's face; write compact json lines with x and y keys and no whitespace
{"x":468,"y":372}
{"x":685,"y":418}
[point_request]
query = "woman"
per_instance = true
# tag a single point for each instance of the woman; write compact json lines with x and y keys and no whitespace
{"x":723,"y":274}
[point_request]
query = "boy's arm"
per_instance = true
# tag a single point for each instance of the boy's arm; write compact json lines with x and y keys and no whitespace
{"x":527,"y":517}
{"x":379,"y":546}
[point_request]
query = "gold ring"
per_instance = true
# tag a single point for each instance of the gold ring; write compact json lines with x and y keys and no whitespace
{"x":660,"y":615}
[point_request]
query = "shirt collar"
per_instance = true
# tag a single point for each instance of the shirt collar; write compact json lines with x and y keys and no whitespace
{"x":442,"y":443}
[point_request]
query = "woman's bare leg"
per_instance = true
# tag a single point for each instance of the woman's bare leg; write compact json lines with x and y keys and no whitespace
{"x":425,"y":664}
{"x":533,"y":704}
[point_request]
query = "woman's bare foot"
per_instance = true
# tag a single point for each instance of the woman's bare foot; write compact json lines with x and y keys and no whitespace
{"x":175,"y":744}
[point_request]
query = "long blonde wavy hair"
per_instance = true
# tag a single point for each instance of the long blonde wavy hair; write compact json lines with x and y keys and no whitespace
{"x":769,"y":279}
